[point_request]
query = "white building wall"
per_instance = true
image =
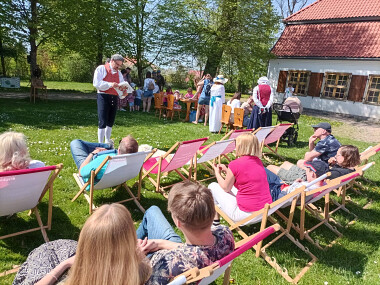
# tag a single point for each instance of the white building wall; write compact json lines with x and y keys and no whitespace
{"x":356,"y":67}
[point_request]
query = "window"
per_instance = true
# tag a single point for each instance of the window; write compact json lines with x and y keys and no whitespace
{"x":336,"y":85}
{"x":299,"y":80}
{"x":373,"y":93}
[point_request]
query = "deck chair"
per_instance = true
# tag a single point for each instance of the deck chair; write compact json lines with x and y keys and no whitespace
{"x":368,"y":153}
{"x":263,"y":216}
{"x":238,"y":118}
{"x":209,"y":274}
{"x":262,"y":132}
{"x":275,"y":136}
{"x":310,"y":197}
{"x":170,"y":110}
{"x":210,"y":153}
{"x":226,"y":113}
{"x":119,"y":170}
{"x":158,"y":105}
{"x":185,"y":153}
{"x":233,"y":135}
{"x":22,"y":190}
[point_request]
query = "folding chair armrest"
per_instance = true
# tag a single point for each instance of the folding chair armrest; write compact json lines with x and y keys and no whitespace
{"x":150,"y":155}
{"x":227,"y":135}
{"x":170,"y":150}
{"x":57,"y":170}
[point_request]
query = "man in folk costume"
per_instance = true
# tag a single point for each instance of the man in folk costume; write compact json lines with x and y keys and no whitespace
{"x":262,"y":95}
{"x":107,"y":79}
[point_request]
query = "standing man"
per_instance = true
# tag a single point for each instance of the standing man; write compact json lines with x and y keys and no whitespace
{"x":262,"y":95}
{"x":160,"y":80}
{"x":106,"y":78}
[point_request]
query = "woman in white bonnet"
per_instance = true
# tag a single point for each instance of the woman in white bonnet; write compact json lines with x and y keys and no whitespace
{"x":262,"y":95}
{"x":216,"y":103}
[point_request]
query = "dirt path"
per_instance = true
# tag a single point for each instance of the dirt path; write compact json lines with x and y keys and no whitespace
{"x":358,"y":129}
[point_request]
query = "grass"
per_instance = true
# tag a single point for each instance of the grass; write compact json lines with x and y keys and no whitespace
{"x":51,"y":125}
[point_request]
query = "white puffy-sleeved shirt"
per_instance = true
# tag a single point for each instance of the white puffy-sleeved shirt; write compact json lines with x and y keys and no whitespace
{"x":255,"y":97}
{"x":100,"y":74}
{"x":234,"y":104}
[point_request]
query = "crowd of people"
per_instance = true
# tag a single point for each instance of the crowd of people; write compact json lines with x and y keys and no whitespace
{"x":155,"y":253}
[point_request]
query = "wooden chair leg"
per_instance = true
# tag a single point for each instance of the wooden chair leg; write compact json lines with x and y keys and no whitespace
{"x":41,"y":224}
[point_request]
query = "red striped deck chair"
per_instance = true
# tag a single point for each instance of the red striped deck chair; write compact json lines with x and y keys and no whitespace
{"x":22,"y":190}
{"x":186,"y":152}
{"x":119,"y":170}
{"x":310,"y":197}
{"x":209,"y":274}
{"x":263,"y":216}
{"x":262,"y":132}
{"x":209,"y":154}
{"x":233,"y":135}
{"x":275,"y":136}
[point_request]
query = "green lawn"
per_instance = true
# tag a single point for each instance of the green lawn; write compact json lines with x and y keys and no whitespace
{"x":51,"y":125}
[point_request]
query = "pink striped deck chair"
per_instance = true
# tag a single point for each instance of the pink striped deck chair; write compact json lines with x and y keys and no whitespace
{"x":185,"y":153}
{"x":312,"y":196}
{"x":263,"y":216}
{"x":22,"y":190}
{"x":209,"y":274}
{"x":275,"y":136}
{"x":233,"y":135}
{"x":368,"y":153}
{"x":262,"y":132}
{"x":210,"y":153}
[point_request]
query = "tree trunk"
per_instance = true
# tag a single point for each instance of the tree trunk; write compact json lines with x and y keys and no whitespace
{"x":2,"y":58}
{"x":33,"y":34}
{"x":214,"y":57}
{"x":99,"y":33}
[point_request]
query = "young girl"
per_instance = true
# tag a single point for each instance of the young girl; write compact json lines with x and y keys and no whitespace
{"x":189,"y":94}
{"x":345,"y":161}
{"x":108,"y":252}
{"x":177,"y":97}
{"x":168,"y":92}
{"x":14,"y":154}
{"x":245,"y":188}
{"x":203,"y":99}
{"x":139,"y":94}
{"x":234,"y":102}
{"x":131,"y":101}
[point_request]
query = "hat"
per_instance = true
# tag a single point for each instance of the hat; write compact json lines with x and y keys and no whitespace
{"x":220,"y":78}
{"x":319,"y":167}
{"x":177,"y":91}
{"x":324,"y":125}
{"x":263,"y":80}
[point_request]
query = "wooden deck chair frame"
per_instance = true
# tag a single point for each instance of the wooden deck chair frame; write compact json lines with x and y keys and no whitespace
{"x":226,"y":114}
{"x":50,"y":173}
{"x":209,"y":154}
{"x":275,"y":136}
{"x":238,"y":118}
{"x":162,"y":164}
{"x":310,"y":197}
{"x":123,"y":177}
{"x":263,"y":216}
{"x":209,"y":274}
{"x":158,"y":104}
{"x":170,"y":110}
{"x":233,"y":134}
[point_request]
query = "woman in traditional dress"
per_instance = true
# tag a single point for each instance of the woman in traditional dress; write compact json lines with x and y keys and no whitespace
{"x":216,"y":103}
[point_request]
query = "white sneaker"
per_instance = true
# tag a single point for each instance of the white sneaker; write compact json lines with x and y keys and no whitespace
{"x":200,"y":121}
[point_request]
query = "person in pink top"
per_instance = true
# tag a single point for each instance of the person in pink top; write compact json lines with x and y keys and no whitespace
{"x":189,"y":94}
{"x":245,"y":188}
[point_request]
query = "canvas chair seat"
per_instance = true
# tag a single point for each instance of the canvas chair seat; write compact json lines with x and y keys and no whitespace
{"x":275,"y":136}
{"x":119,"y":170}
{"x":233,"y":135}
{"x":22,"y":190}
{"x":186,"y":152}
{"x":209,"y":274}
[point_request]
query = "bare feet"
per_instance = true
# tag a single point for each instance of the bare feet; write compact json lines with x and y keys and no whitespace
{"x":194,"y":122}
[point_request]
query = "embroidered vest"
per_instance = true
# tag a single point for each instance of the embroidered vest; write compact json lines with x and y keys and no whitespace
{"x":111,"y":78}
{"x":264,"y":94}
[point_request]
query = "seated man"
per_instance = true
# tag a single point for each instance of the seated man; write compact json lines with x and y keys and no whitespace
{"x":327,"y":147}
{"x":192,"y":209}
{"x":88,"y":156}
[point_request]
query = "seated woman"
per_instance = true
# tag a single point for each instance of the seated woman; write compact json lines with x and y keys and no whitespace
{"x":234,"y":102}
{"x":189,"y":94}
{"x":107,"y":253}
{"x":344,"y":162}
{"x":245,"y":188}
{"x":14,"y":154}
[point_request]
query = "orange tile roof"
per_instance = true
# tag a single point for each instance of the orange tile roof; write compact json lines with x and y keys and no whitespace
{"x":348,"y":40}
{"x":337,"y":9}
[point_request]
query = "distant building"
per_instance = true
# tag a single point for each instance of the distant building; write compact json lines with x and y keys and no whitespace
{"x":330,"y":52}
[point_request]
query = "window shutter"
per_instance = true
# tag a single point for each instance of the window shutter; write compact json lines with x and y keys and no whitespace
{"x":315,"y":84}
{"x":357,"y":87}
{"x":281,"y":85}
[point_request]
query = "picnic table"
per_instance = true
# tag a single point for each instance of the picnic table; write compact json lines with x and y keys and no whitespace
{"x":188,"y":106}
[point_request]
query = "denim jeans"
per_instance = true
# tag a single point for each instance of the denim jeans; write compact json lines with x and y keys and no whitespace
{"x":81,"y":149}
{"x":275,"y":184}
{"x":155,"y":226}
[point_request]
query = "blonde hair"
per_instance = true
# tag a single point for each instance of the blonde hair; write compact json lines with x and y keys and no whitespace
{"x":107,"y":250}
{"x":247,"y":144}
{"x":192,"y":204}
{"x":14,"y":153}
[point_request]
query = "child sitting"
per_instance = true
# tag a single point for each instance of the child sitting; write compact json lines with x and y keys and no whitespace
{"x":189,"y":94}
{"x":139,"y":94}
{"x":168,"y":92}
{"x":177,"y":97}
{"x":344,"y":161}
